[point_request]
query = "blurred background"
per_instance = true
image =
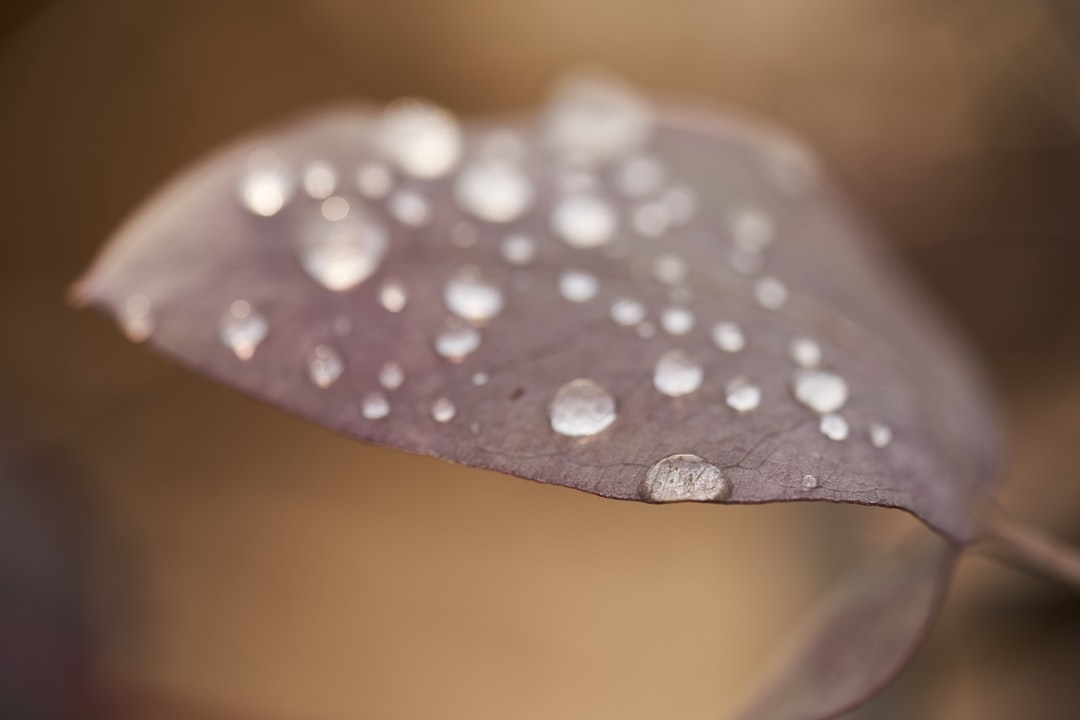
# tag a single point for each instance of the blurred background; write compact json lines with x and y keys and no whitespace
{"x":171,"y":550}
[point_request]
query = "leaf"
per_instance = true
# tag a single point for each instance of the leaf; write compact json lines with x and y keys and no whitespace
{"x":859,"y":637}
{"x":296,"y":264}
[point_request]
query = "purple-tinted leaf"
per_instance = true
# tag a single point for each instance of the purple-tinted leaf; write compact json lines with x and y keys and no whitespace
{"x":860,"y":636}
{"x":652,"y":304}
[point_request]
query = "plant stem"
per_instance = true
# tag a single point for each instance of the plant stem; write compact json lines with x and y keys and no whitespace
{"x":1016,"y":542}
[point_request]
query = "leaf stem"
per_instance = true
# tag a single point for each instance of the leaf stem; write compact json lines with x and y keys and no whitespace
{"x":1011,"y":540}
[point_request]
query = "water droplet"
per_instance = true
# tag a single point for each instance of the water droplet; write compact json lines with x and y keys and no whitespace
{"x":480,"y":379}
{"x":752,"y":231}
{"x":639,"y":176}
{"x":266,"y":187}
{"x":373,"y":180}
{"x":810,"y":482}
{"x":375,"y":406}
{"x":393,"y":296}
{"x":242,"y":329}
{"x":443,"y":410}
{"x":805,"y":352}
{"x":518,"y":249}
{"x":834,"y":426}
{"x":880,"y":434}
{"x":340,"y":255}
{"x":456,"y":342}
{"x":677,"y":373}
{"x":742,"y":396}
{"x":684,"y":477}
{"x":627,"y":312}
{"x":596,"y":117}
{"x":410,"y":208}
{"x":583,"y":221}
{"x":494,"y":191}
{"x":677,"y":320}
{"x":137,"y":319}
{"x":577,"y":286}
{"x":325,"y":366}
{"x":770,"y":293}
{"x":581,"y":408}
{"x":391,"y":375}
{"x":423,"y":139}
{"x":334,"y":208}
{"x":728,"y":336}
{"x":669,"y":269}
{"x":320,"y":179}
{"x":471,"y":297}
{"x":821,"y":391}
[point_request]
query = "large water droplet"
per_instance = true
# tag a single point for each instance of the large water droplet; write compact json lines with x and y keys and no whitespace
{"x":880,"y":434}
{"x":577,"y":286}
{"x":443,"y":410}
{"x":266,"y":187}
{"x":581,"y":408}
{"x":770,"y":293}
{"x":834,"y":427}
{"x":684,"y":477}
{"x":627,"y":312}
{"x":494,"y":191}
{"x":410,"y":208}
{"x":471,"y":297}
{"x":391,"y":375}
{"x":677,"y":320}
{"x":596,"y":117}
{"x":424,"y":140}
{"x":677,"y":373}
{"x":518,"y":249}
{"x":136,"y":318}
{"x":821,"y":391}
{"x":341,"y":254}
{"x":728,"y":336}
{"x":742,"y":396}
{"x":325,"y":366}
{"x":242,"y":329}
{"x":456,"y":342}
{"x":374,"y":406}
{"x":583,"y":220}
{"x":393,"y":296}
{"x":805,"y":352}
{"x":320,"y":179}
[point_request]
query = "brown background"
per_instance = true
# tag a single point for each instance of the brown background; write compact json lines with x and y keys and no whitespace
{"x":196,"y":555}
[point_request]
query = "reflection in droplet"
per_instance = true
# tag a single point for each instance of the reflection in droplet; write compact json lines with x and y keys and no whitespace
{"x":880,"y":434}
{"x":627,"y":312}
{"x":728,"y":336}
{"x":424,"y":140}
{"x":583,"y":220}
{"x":596,"y":117}
{"x":821,"y":391}
{"x":374,"y":405}
{"x":341,"y":254}
{"x":834,"y":426}
{"x":810,"y":482}
{"x":578,"y":286}
{"x":581,"y":408}
{"x":137,"y":319}
{"x":677,"y":320}
{"x":319,"y":179}
{"x":410,"y":208}
{"x":742,"y":396}
{"x":677,"y":373}
{"x":770,"y":293}
{"x":391,"y":375}
{"x":393,"y":296}
{"x":494,"y":191}
{"x":805,"y":352}
{"x":471,"y":297}
{"x":242,"y":329}
{"x":443,"y":410}
{"x":266,"y":187}
{"x":456,"y":342}
{"x":669,"y":269}
{"x":325,"y":366}
{"x":518,"y":249}
{"x":684,"y":477}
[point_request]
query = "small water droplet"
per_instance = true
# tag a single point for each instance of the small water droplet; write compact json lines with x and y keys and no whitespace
{"x":742,"y":396}
{"x":670,"y":269}
{"x":880,"y":434}
{"x":577,"y":286}
{"x":627,"y":312}
{"x":137,"y":319}
{"x":443,"y":410}
{"x":325,"y":366}
{"x":320,"y":179}
{"x":752,"y":231}
{"x":410,"y":208}
{"x":471,"y":297}
{"x":834,"y":426}
{"x":821,"y":391}
{"x":810,"y":482}
{"x":583,"y":220}
{"x":518,"y":249}
{"x":242,"y":329}
{"x":391,"y":375}
{"x":728,"y":336}
{"x":373,"y":180}
{"x":480,"y":379}
{"x":374,"y":406}
{"x":342,"y":254}
{"x":677,"y":373}
{"x":805,"y":352}
{"x":266,"y":187}
{"x":684,"y":477}
{"x":494,"y":191}
{"x":596,"y":117}
{"x":581,"y":408}
{"x":393,"y":296}
{"x":639,"y":176}
{"x":677,"y":320}
{"x":423,"y":139}
{"x":456,"y":342}
{"x":334,"y":208}
{"x":770,"y":293}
